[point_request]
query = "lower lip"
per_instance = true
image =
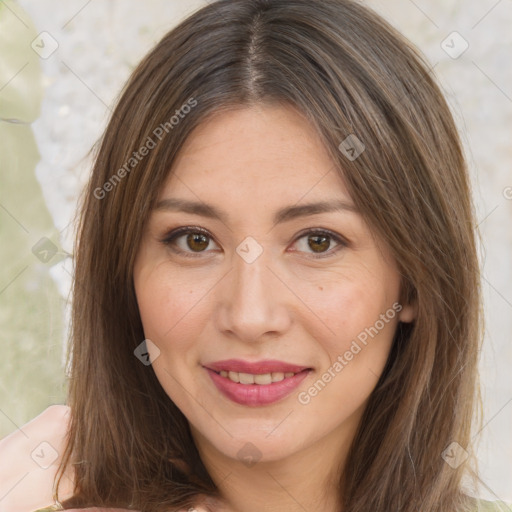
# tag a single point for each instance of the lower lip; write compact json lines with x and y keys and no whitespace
{"x":255,"y":395}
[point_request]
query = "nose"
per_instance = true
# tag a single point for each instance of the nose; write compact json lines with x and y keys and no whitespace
{"x":252,"y":301}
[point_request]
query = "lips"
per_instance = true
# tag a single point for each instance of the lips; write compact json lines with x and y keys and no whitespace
{"x":256,"y":384}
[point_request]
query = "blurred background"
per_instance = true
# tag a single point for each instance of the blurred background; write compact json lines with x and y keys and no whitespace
{"x":62,"y":65}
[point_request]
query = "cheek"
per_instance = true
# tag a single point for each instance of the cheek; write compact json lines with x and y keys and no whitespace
{"x":171,"y":313}
{"x":169,"y":305}
{"x":361,"y":323}
{"x":345,"y":307}
{"x":357,"y":320}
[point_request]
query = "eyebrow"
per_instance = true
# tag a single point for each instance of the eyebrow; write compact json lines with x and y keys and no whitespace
{"x":284,"y":214}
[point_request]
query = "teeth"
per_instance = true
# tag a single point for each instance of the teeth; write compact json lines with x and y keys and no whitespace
{"x":249,"y":378}
{"x":245,"y":378}
{"x":266,"y":378}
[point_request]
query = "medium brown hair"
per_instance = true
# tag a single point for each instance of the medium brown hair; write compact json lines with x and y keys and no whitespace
{"x":350,"y":73}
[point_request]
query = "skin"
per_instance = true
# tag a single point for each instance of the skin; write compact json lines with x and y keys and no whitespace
{"x":26,"y":478}
{"x":285,"y":305}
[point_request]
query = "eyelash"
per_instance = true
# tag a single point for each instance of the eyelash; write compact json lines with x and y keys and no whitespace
{"x":171,"y":237}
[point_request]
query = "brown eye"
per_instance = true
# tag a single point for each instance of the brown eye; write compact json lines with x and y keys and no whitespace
{"x":188,"y":241}
{"x":197,"y":241}
{"x":319,"y":243}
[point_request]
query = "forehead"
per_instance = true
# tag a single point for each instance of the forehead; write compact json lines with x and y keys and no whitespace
{"x":258,"y":151}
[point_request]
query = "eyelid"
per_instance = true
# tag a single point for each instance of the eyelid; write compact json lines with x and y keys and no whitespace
{"x":172,"y":235}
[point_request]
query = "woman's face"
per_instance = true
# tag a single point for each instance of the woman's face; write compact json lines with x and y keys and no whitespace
{"x":267,"y":279}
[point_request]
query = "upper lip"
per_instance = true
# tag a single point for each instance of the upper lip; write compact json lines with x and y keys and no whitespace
{"x":256,"y":367}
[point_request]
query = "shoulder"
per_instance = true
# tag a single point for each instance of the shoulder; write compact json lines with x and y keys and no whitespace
{"x":29,"y":459}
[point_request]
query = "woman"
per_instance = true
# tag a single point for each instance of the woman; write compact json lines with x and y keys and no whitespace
{"x":276,"y":296}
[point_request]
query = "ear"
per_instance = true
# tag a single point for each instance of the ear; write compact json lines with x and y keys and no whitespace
{"x":408,"y":312}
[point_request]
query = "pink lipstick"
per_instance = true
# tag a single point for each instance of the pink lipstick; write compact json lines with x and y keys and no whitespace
{"x":258,"y":383}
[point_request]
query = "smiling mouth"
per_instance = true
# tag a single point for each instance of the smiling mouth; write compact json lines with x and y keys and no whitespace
{"x":257,"y":389}
{"x":256,"y":383}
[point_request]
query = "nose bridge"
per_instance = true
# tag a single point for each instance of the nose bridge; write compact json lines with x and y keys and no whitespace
{"x":250,"y":303}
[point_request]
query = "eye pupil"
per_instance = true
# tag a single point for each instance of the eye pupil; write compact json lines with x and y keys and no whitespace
{"x":194,"y":238}
{"x":315,"y":246}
